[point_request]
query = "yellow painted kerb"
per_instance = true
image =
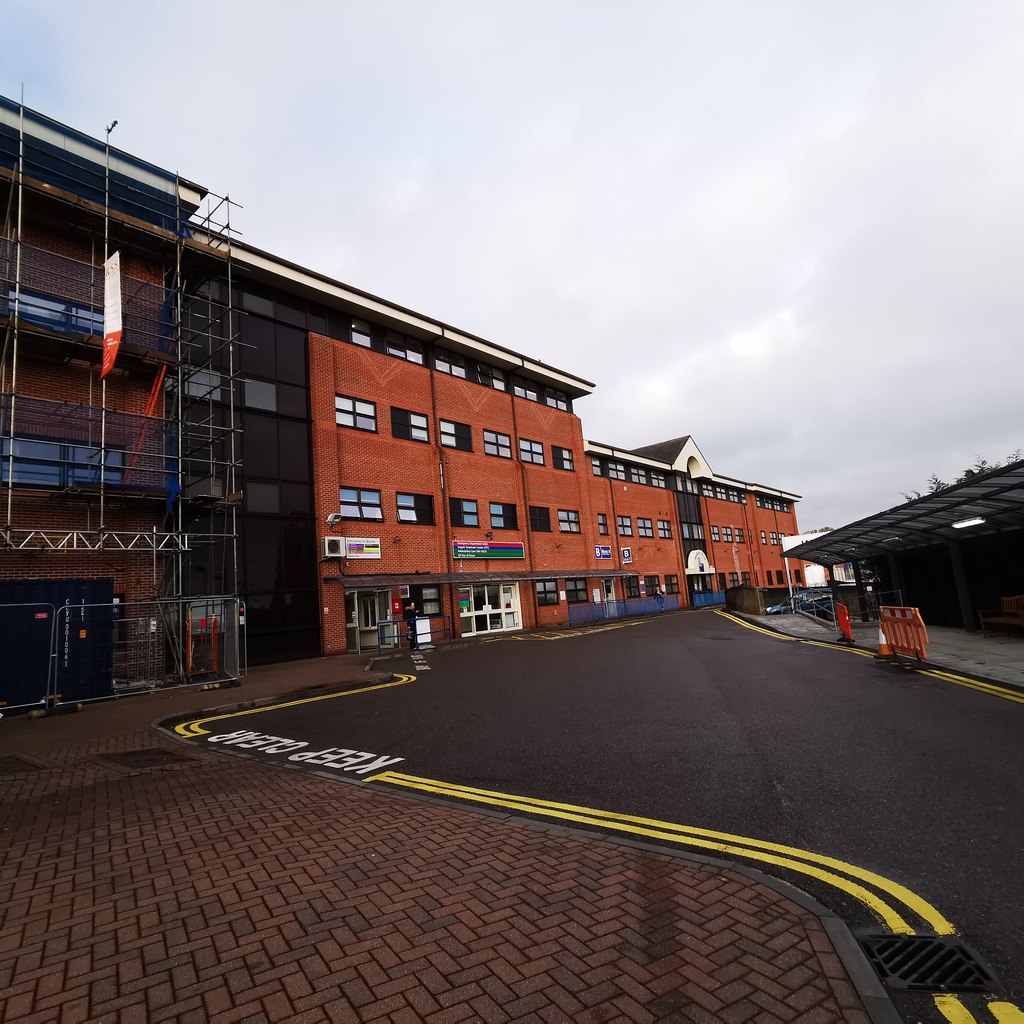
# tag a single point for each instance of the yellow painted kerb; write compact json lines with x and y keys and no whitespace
{"x":192,"y":729}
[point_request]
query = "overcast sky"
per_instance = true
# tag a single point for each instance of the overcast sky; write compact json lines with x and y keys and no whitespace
{"x":793,"y":230}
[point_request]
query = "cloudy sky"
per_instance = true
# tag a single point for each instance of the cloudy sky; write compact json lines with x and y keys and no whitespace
{"x":794,"y":230}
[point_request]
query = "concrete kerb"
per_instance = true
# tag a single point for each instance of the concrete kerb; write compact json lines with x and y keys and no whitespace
{"x":877,"y":1003}
{"x":906,"y":663}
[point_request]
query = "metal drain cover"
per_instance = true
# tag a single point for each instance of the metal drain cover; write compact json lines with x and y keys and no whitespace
{"x":926,"y":963}
{"x":12,"y":765}
{"x":150,"y":757}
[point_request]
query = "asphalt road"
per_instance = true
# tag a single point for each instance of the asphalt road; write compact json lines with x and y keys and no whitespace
{"x":692,"y":719}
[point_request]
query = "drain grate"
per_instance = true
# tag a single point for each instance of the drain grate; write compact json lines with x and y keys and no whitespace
{"x":150,"y":757}
{"x":12,"y":765}
{"x":926,"y":963}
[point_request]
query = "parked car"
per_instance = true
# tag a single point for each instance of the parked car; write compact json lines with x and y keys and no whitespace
{"x":816,"y":602}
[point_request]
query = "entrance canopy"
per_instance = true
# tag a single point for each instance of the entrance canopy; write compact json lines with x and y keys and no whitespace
{"x":989,"y":503}
{"x":494,"y":576}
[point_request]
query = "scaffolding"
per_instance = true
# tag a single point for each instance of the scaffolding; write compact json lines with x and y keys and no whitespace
{"x":162,"y":484}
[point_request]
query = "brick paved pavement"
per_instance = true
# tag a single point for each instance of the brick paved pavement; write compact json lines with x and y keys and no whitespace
{"x":219,"y":889}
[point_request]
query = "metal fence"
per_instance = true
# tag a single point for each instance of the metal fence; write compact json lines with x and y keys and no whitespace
{"x":396,"y":632}
{"x":76,"y":653}
{"x":601,"y":611}
{"x":707,"y":598}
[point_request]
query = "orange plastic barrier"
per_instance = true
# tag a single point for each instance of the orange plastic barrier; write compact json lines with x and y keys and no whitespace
{"x":905,"y":631}
{"x":843,"y":621}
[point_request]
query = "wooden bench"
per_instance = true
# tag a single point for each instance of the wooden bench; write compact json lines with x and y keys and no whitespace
{"x":1009,"y":613}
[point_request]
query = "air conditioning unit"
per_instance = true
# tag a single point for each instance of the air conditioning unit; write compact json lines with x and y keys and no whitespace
{"x":333,"y":547}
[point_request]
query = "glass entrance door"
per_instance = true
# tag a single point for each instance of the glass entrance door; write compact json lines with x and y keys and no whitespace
{"x":488,"y":608}
{"x":611,"y":606}
{"x":363,"y":610}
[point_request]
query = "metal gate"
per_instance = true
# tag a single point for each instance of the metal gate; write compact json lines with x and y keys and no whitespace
{"x":82,"y":651}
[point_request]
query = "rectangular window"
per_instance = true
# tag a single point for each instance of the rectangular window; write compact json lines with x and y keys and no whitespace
{"x":779,"y":578}
{"x":561,"y":458}
{"x":463,"y":512}
{"x":415,"y":508}
{"x":721,"y":581}
{"x":632,"y":586}
{"x":351,"y":412}
{"x":576,"y":591}
{"x":396,"y":344}
{"x":361,"y":333}
{"x":412,"y":426}
{"x":449,"y":362}
{"x":531,"y":451}
{"x":637,"y":475}
{"x":671,"y":584}
{"x":602,"y":524}
{"x":556,"y":399}
{"x":645,"y":527}
{"x":708,"y":490}
{"x":746,"y":579}
{"x":657,"y":479}
{"x":734,"y":579}
{"x":568,"y":521}
{"x":625,"y":525}
{"x":497,"y":444}
{"x":764,"y":537}
{"x":727,"y":534}
{"x":690,"y":486}
{"x":692,"y":531}
{"x":456,"y":435}
{"x":524,"y":389}
{"x":616,"y":471}
{"x":714,"y":533}
{"x":739,"y":535}
{"x":359,"y":504}
{"x":428,"y":600}
{"x":540,"y":519}
{"x":547,"y":591}
{"x":503,"y":516}
{"x":664,"y":529}
{"x":774,"y":538}
{"x":796,"y":576}
{"x":489,"y":376}
{"x":651,"y":584}
{"x":595,"y":465}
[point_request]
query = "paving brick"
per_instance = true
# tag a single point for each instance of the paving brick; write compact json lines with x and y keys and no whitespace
{"x":228,"y":890}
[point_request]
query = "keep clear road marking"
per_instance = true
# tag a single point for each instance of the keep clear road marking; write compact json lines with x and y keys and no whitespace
{"x":956,"y":1013}
{"x":837,"y":873}
{"x":947,"y":677}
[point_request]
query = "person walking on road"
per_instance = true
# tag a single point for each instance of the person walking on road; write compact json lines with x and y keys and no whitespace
{"x":409,"y":614}
{"x":659,"y":596}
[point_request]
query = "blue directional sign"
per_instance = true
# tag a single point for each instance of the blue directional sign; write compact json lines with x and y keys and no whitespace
{"x":602,"y":550}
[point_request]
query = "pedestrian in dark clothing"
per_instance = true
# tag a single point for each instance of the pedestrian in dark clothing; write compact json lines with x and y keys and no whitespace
{"x":409,"y":613}
{"x":659,"y":596}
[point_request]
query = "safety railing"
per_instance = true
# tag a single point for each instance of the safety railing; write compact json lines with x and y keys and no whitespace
{"x":427,"y":629}
{"x":707,"y":598}
{"x":600,"y":611}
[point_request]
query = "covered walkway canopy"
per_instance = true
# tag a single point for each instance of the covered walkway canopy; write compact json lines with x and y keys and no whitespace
{"x":966,"y":539}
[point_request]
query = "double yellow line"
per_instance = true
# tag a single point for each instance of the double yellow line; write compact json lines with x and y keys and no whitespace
{"x":887,"y":899}
{"x":992,"y":689}
{"x":194,"y":729}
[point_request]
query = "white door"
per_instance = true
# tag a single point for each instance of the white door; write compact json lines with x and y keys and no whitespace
{"x":488,"y":608}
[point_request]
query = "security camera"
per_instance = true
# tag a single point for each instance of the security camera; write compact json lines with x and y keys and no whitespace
{"x":334,"y":518}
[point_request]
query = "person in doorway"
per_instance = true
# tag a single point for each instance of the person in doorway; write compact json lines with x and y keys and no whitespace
{"x":659,"y":596}
{"x":409,"y":613}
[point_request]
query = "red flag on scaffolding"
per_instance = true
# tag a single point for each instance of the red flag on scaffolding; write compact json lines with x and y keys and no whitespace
{"x":111,"y":312}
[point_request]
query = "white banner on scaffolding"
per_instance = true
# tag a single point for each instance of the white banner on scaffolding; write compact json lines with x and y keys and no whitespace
{"x":111,"y":312}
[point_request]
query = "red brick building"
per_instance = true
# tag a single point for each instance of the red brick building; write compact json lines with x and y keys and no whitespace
{"x":281,"y":453}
